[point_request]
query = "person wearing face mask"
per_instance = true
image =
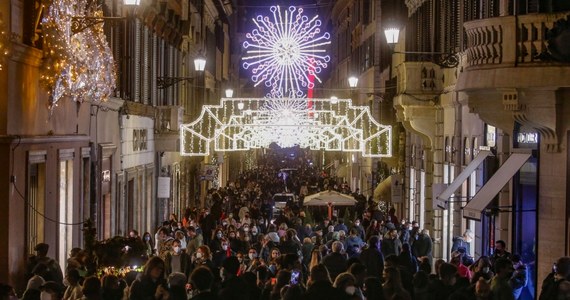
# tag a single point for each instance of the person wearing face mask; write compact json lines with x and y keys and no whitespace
{"x":221,"y":255}
{"x":482,"y":269}
{"x":216,"y":243}
{"x":357,"y":225}
{"x":345,"y":283}
{"x":252,"y":261}
{"x":149,"y":244}
{"x":177,"y":260}
{"x":203,"y":257}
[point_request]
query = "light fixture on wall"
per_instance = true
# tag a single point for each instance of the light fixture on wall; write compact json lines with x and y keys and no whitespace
{"x":352,"y":81}
{"x":229,"y":93}
{"x":163,"y":82}
{"x":442,"y":59}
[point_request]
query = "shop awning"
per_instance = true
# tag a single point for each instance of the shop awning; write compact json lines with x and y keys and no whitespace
{"x":383,"y":190}
{"x":329,"y":197}
{"x":460,"y":179}
{"x":474,"y":207}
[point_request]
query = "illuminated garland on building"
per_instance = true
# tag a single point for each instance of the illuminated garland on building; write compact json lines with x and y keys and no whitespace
{"x":80,"y":65}
{"x":284,"y":52}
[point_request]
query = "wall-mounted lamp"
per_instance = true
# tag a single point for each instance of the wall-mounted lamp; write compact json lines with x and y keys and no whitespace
{"x":200,"y":63}
{"x":165,"y":82}
{"x":229,"y":93}
{"x":353,"y":81}
{"x":334,"y":99}
{"x":442,"y":59}
{"x":240,"y":105}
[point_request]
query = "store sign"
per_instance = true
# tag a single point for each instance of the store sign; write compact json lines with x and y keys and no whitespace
{"x":527,"y":138}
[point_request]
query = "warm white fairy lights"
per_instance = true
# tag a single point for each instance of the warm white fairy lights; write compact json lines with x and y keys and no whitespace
{"x":80,"y":65}
{"x":4,"y":43}
{"x":286,"y":52}
{"x":327,"y":127}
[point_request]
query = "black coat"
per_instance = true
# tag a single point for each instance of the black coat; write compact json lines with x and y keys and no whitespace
{"x":373,"y":259}
{"x":321,"y":290}
{"x":335,"y":263}
{"x":144,"y":288}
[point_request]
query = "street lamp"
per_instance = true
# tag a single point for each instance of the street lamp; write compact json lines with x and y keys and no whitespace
{"x":442,"y":59}
{"x":200,"y":63}
{"x":165,"y":82}
{"x":352,"y":81}
{"x":229,"y":93}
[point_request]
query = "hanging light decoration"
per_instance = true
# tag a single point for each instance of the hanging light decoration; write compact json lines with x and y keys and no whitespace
{"x":76,"y":65}
{"x":286,"y":53}
{"x":338,"y":126}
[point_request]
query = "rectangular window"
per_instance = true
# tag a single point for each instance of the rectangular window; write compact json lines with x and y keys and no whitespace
{"x":36,"y":199}
{"x":66,"y":210}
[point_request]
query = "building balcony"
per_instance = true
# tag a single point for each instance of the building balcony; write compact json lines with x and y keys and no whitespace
{"x":509,"y":52}
{"x":512,"y":40}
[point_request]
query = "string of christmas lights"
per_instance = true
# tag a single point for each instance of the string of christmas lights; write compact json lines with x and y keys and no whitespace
{"x":80,"y":65}
{"x":4,"y":43}
{"x":327,"y":127}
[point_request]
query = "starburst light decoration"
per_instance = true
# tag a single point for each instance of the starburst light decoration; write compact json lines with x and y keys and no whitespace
{"x":285,"y":52}
{"x":80,"y":65}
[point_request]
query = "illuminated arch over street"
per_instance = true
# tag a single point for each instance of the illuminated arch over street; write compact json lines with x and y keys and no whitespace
{"x":330,"y":126}
{"x":286,"y":53}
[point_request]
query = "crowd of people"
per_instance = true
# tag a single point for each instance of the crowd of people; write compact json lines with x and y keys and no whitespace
{"x":238,"y":247}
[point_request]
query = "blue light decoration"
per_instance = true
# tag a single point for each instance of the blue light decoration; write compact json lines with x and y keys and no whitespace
{"x":286,"y":52}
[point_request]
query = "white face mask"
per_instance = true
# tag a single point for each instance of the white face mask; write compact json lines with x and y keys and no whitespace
{"x":198,"y":254}
{"x":251,"y":255}
{"x":486,"y":270}
{"x":357,"y":224}
{"x":225,"y":247}
{"x":176,"y":249}
{"x":246,"y":229}
{"x":45,"y":296}
{"x":350,"y":290}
